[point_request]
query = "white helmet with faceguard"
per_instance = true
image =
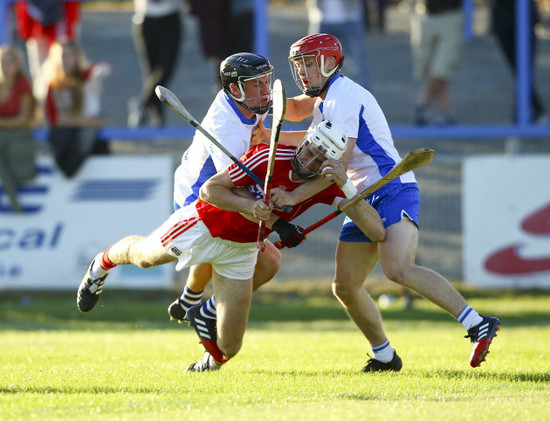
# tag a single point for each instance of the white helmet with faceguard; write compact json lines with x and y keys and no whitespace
{"x":324,"y":141}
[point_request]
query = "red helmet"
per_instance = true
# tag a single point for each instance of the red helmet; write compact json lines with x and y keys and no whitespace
{"x":321,"y":46}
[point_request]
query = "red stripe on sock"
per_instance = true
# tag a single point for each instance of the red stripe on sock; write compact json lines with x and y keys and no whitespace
{"x":105,"y":262}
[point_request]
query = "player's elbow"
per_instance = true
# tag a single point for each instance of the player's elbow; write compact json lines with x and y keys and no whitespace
{"x":205,"y":192}
{"x":378,"y":233}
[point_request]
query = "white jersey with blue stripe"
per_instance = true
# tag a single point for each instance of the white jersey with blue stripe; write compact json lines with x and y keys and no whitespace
{"x":356,"y":111}
{"x":203,"y":159}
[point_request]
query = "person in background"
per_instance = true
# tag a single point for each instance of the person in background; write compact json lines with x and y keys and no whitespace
{"x":345,"y":19}
{"x":503,"y":25}
{"x":436,"y":40}
{"x":157,"y":32}
{"x":40,"y":23}
{"x":73,"y":106}
{"x":380,"y":22}
{"x":17,"y":147}
{"x":226,"y":27}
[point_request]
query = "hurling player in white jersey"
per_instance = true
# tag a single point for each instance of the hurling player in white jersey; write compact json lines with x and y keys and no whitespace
{"x":221,"y":228}
{"x":316,"y":61}
{"x":239,"y":107}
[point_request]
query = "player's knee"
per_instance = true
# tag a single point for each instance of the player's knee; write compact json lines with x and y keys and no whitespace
{"x":143,"y":263}
{"x":397,"y":274}
{"x":344,"y":291}
{"x":272,"y":261}
{"x":267,"y":267}
{"x":230,"y":348}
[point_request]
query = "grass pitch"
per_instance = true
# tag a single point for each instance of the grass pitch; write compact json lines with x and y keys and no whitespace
{"x":300,"y":361}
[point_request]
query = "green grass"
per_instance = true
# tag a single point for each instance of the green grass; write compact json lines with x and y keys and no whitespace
{"x":300,"y":361}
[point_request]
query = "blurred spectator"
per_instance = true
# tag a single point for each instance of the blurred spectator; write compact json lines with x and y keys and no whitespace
{"x":73,"y":106}
{"x":343,"y":19}
{"x":157,"y":32}
{"x":40,"y":23}
{"x":436,"y":39}
{"x":380,"y":22}
{"x":17,"y":147}
{"x":503,"y":25}
{"x":226,"y":27}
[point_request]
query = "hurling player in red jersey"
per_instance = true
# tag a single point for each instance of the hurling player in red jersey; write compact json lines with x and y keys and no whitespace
{"x":222,"y":230}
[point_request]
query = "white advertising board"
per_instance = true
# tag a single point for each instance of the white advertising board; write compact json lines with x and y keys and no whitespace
{"x":66,"y":222}
{"x":506,"y":220}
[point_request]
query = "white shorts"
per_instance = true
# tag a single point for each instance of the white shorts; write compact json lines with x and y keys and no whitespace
{"x":185,"y":237}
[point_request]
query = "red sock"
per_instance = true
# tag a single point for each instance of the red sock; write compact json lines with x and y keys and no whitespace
{"x":105,"y":262}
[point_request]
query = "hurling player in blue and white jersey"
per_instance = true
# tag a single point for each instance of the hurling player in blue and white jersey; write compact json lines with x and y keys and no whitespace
{"x":316,"y":61}
{"x":236,"y":111}
{"x":239,"y":107}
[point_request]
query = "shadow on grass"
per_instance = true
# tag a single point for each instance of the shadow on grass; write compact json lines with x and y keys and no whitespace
{"x":72,"y":390}
{"x":531,"y":377}
{"x":467,"y":374}
{"x":147,"y":310}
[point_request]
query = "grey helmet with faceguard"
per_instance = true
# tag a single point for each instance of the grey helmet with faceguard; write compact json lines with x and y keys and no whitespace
{"x":325,"y":140}
{"x":241,"y":67}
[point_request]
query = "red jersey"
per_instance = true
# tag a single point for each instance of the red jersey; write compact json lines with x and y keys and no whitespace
{"x":12,"y":106}
{"x":235,"y":227}
{"x":30,"y":27}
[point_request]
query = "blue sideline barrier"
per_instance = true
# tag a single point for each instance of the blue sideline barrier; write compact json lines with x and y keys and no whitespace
{"x":398,"y":132}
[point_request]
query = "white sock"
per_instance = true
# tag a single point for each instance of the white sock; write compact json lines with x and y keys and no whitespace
{"x":469,"y":318}
{"x":383,"y":352}
{"x":208,"y":308}
{"x":98,"y":270}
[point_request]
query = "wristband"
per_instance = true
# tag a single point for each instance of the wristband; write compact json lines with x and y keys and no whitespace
{"x":349,"y":189}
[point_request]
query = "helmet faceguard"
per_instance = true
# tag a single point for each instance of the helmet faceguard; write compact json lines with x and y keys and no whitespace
{"x":322,"y":142}
{"x":253,"y":75}
{"x":308,"y":58}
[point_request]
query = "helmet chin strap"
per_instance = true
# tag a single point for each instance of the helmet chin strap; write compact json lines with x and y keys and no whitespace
{"x":256,"y":110}
{"x":322,"y":68}
{"x":314,"y":92}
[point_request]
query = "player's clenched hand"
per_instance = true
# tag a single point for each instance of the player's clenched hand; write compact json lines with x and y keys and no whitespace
{"x":281,"y":198}
{"x":291,"y":235}
{"x":261,"y":210}
{"x":259,"y":135}
{"x":335,"y":171}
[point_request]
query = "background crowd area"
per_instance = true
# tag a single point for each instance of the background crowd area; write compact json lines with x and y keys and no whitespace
{"x":482,"y":91}
{"x":482,"y":88}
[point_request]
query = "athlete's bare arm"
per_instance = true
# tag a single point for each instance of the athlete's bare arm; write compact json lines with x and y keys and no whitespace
{"x":219,"y":191}
{"x":362,"y":213}
{"x":282,"y":198}
{"x":299,"y":107}
{"x":367,"y":219}
{"x":291,"y":138}
{"x":261,"y":134}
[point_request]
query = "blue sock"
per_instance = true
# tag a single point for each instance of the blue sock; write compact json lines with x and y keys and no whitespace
{"x":208,"y":308}
{"x":190,"y":298}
